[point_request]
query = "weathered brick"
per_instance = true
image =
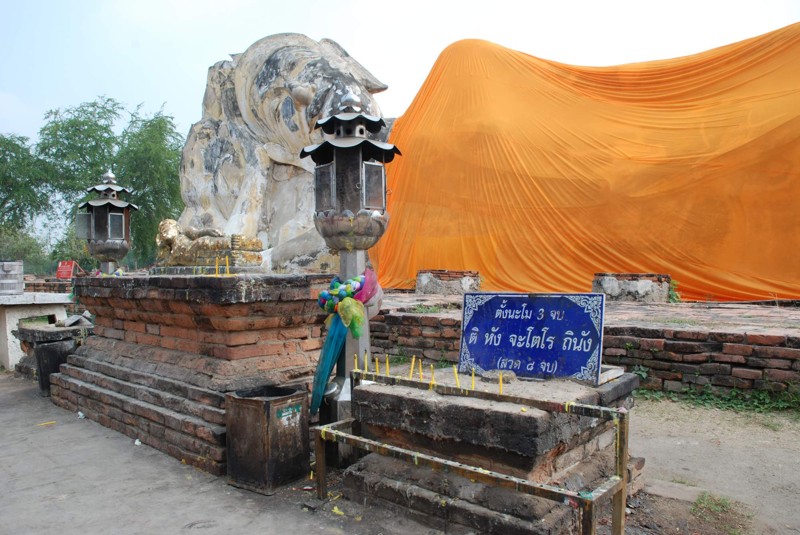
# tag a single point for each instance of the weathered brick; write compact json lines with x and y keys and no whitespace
{"x":696,"y":357}
{"x":782,"y":376}
{"x":668,"y":355}
{"x":765,"y":339}
{"x":625,"y":342}
{"x":691,"y":347}
{"x":715,"y":368}
{"x":247,"y":351}
{"x":667,"y":375}
{"x":731,"y":382}
{"x":451,"y":333}
{"x":690,"y":335}
{"x":733,"y":338}
{"x":311,"y":344}
{"x":153,"y":328}
{"x":614,"y":351}
{"x":673,"y":386}
{"x":135,"y":326}
{"x":649,"y":344}
{"x":429,"y":321}
{"x":777,"y":352}
{"x":747,"y":373}
{"x":769,"y":385}
{"x":737,"y":349}
{"x":699,"y":380}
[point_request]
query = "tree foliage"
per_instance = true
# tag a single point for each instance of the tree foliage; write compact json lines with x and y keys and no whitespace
{"x":80,"y":144}
{"x":148,"y":161}
{"x":77,"y":145}
{"x":18,"y":244}
{"x":24,"y":186}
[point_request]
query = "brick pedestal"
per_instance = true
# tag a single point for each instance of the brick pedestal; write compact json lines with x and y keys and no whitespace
{"x":166,"y":349}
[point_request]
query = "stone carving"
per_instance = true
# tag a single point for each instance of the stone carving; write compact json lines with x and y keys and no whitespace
{"x":241,"y":170}
{"x":190,"y":246}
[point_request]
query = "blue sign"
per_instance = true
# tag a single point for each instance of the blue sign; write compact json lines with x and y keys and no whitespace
{"x":533,"y":335}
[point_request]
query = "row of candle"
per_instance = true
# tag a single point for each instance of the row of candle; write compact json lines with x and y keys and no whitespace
{"x":413,"y":367}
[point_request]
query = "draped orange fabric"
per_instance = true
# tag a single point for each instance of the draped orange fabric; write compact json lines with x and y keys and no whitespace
{"x":539,"y":174}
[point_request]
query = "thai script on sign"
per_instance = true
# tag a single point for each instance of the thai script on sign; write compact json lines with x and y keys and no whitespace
{"x":534,"y":335}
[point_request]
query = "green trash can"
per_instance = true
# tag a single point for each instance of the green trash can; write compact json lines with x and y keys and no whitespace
{"x":267,"y":437}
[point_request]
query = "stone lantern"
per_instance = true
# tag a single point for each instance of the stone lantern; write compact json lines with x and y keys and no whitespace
{"x":350,"y":214}
{"x":350,"y":180}
{"x":105,"y":223}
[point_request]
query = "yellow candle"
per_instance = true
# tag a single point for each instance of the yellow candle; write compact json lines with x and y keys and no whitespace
{"x":366,"y":361}
{"x":377,"y":367}
{"x":355,"y":361}
{"x":455,"y":374}
{"x":227,"y":269}
{"x":386,"y":355}
{"x":473,"y":378}
{"x":216,"y":266}
{"x":501,"y":383}
{"x":411,"y":369}
{"x":421,"y":378}
{"x":433,"y":376}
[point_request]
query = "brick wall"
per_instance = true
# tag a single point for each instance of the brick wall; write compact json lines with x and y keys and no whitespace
{"x":674,"y":359}
{"x":679,"y":359}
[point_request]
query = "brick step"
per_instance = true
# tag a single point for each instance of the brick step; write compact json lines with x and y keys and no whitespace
{"x":452,"y":503}
{"x":184,"y":437}
{"x":147,"y":394}
{"x":157,"y":382}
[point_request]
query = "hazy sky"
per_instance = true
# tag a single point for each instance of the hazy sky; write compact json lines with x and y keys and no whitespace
{"x":60,"y":53}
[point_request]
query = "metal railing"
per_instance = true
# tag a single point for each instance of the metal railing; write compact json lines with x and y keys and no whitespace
{"x":584,"y":501}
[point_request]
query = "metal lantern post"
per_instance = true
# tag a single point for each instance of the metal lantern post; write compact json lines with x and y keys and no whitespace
{"x":105,"y":223}
{"x":350,"y":212}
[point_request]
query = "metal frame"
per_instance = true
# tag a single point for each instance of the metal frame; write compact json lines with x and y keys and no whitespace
{"x":332,"y":200}
{"x":584,"y":501}
{"x":364,"y":166}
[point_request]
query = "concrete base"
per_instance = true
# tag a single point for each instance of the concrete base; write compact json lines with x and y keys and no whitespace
{"x":14,"y":308}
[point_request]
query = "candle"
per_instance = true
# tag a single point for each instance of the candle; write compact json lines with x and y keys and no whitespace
{"x":455,"y":374}
{"x":421,"y":378}
{"x":411,"y":369}
{"x":366,"y":361}
{"x":227,"y":269}
{"x":355,"y":361}
{"x":216,"y":266}
{"x":501,"y":383}
{"x":433,"y":377}
{"x":377,"y":366}
{"x":386,"y":355}
{"x":473,"y":378}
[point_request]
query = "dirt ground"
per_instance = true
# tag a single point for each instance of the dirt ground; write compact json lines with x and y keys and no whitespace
{"x":752,"y":460}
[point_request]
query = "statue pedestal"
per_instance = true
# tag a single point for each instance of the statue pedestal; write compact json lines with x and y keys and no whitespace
{"x":166,"y":349}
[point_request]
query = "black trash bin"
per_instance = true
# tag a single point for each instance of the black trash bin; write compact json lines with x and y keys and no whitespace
{"x":267,"y":437}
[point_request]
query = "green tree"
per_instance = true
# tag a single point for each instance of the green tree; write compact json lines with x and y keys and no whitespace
{"x":70,"y":247}
{"x":25,"y":190}
{"x":148,"y":162}
{"x":80,"y":144}
{"x":18,"y":244}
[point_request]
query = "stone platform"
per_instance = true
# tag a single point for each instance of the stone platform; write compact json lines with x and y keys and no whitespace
{"x":570,"y":451}
{"x":166,"y":349}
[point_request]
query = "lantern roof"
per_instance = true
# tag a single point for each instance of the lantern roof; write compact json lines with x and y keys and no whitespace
{"x":371,"y":149}
{"x":100,"y":188}
{"x":372,"y":123}
{"x":114,"y":202}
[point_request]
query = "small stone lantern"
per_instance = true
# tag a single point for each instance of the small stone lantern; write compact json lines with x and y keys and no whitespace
{"x":105,"y":223}
{"x":350,"y":180}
